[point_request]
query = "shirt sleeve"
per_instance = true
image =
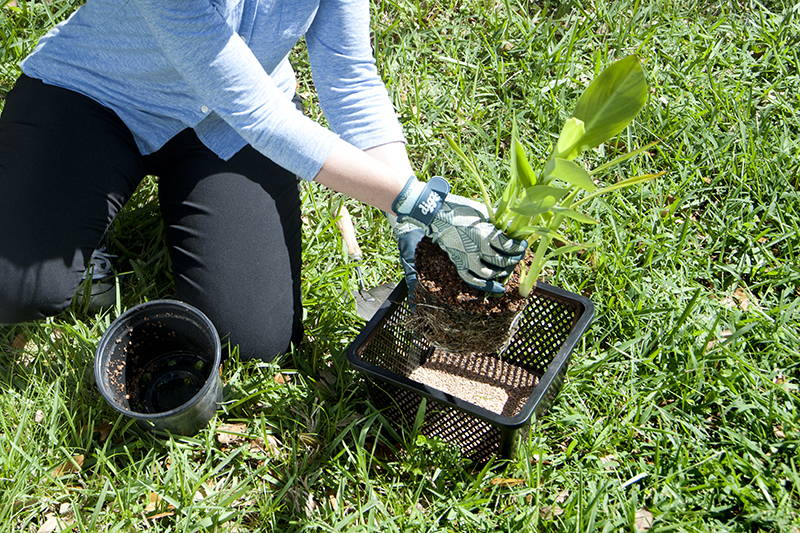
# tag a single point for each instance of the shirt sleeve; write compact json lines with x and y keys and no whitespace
{"x":228,"y":79}
{"x":352,"y":95}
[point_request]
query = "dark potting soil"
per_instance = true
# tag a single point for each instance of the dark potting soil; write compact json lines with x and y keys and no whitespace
{"x":148,"y":382}
{"x":437,"y":274}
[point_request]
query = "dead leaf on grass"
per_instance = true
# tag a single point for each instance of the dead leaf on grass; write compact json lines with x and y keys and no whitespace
{"x":231,"y":433}
{"x":152,"y":502}
{"x":562,"y":496}
{"x":506,"y":482}
{"x":19,"y":341}
{"x":39,"y":416}
{"x":644,"y":520}
{"x":540,"y":458}
{"x":73,"y":465}
{"x":271,"y":446}
{"x":161,"y":515}
{"x":311,"y":504}
{"x":205,"y":490}
{"x":549,"y":512}
{"x":724,"y":334}
{"x":741,"y":298}
{"x":54,"y":524}
{"x":778,"y":431}
{"x":608,"y":459}
{"x":56,"y":335}
{"x":103,"y":430}
{"x":333,"y":502}
{"x":64,"y":508}
{"x":49,"y":525}
{"x":282,"y":379}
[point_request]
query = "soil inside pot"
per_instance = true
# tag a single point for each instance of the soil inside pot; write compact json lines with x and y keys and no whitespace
{"x":151,"y":373}
{"x":455,"y":317}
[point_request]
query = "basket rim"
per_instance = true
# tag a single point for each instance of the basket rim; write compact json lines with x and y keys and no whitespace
{"x":554,"y":368}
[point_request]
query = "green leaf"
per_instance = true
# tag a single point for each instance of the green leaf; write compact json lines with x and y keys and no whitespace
{"x":621,"y":158}
{"x":538,"y":199}
{"x":574,"y":215}
{"x":463,"y":157}
{"x":572,"y":173}
{"x":561,"y":250}
{"x":520,"y":167}
{"x":611,"y":101}
{"x":619,"y":185}
{"x":508,"y":196}
{"x":569,"y":141}
{"x":542,"y":231}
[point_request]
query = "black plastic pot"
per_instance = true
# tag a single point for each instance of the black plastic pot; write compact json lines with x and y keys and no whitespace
{"x":387,"y":352}
{"x":159,"y":364}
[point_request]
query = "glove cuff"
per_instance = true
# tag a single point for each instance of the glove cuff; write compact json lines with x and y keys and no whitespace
{"x":421,"y":201}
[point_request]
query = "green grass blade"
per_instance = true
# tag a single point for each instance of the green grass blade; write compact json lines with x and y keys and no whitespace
{"x":574,"y":215}
{"x":622,"y":158}
{"x":619,"y":185}
{"x":474,"y":171}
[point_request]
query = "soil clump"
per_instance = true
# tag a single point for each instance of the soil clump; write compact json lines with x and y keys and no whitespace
{"x":455,"y":317}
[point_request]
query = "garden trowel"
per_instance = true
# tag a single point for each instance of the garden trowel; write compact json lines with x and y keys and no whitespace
{"x":367,"y":300}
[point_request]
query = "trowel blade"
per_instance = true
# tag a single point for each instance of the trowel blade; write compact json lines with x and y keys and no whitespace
{"x":369,"y":301}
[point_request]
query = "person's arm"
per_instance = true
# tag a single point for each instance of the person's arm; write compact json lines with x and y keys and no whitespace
{"x":371,"y":179}
{"x":356,"y":104}
{"x":393,"y":154}
{"x":351,"y":93}
{"x":227,"y":77}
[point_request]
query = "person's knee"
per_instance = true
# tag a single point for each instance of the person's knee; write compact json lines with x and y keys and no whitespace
{"x":33,"y":293}
{"x":256,"y":335}
{"x":265,"y":343}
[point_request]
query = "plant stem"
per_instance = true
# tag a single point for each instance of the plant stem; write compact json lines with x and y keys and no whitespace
{"x":529,"y":280}
{"x":486,"y":199}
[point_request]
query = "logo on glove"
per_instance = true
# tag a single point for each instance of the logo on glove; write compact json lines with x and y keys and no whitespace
{"x":430,"y":204}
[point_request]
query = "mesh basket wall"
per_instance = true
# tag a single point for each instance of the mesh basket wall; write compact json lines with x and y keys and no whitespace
{"x":542,"y":330}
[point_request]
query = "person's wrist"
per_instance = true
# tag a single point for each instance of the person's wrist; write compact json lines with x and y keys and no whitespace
{"x":404,"y":202}
{"x":420,"y":201}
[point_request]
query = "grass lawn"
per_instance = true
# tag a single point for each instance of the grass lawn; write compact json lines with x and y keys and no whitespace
{"x":680,"y":407}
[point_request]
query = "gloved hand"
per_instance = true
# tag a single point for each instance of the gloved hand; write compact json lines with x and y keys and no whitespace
{"x":407,"y":236}
{"x":461,"y":227}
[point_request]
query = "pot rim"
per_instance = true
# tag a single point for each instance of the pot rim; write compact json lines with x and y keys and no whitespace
{"x":117,"y":324}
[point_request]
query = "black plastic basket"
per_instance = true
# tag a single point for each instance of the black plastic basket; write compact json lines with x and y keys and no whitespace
{"x":387,"y":352}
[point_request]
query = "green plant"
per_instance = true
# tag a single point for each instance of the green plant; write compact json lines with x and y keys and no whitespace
{"x":534,"y":207}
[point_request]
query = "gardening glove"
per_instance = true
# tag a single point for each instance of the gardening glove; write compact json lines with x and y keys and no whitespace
{"x":461,"y":227}
{"x":407,"y":236}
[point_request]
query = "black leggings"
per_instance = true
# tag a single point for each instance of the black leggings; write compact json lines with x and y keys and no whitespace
{"x":68,"y":164}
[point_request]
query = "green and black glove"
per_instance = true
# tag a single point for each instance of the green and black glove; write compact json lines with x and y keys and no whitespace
{"x":481,"y":253}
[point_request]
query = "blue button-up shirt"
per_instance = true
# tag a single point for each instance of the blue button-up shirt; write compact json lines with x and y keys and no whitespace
{"x":220,"y":67}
